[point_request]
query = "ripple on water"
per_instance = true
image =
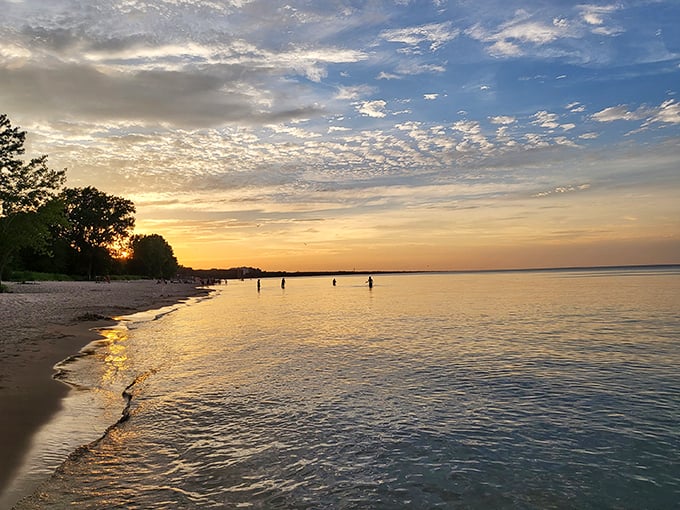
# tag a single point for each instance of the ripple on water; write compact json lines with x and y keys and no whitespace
{"x":466,"y":392}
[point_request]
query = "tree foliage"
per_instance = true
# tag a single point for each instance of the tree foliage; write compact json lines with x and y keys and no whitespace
{"x":152,"y":256}
{"x":27,"y":191}
{"x":97,"y":222}
{"x":75,"y":231}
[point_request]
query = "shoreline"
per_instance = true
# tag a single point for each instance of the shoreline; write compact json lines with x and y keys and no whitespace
{"x":44,"y":323}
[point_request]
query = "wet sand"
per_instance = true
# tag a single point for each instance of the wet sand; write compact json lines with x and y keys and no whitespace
{"x":44,"y":323}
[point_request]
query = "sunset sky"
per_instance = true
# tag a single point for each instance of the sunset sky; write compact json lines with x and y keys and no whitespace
{"x":339,"y":135}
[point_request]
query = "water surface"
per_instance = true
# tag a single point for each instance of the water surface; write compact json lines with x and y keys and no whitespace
{"x":500,"y":390}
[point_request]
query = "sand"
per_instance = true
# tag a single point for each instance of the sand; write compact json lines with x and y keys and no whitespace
{"x":44,"y":323}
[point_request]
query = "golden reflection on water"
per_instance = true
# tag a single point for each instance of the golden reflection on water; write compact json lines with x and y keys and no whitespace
{"x":429,"y":386}
{"x":115,"y":356}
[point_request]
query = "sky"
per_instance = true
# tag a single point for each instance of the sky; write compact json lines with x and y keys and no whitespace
{"x":366,"y":135}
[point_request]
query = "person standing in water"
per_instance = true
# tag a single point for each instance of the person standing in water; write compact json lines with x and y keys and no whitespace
{"x":370,"y":282}
{"x":283,"y":283}
{"x":258,"y":285}
{"x":334,"y":282}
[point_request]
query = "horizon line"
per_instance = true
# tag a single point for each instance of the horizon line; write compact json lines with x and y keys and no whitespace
{"x":413,"y":271}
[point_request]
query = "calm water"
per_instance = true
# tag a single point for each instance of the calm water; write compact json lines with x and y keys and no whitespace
{"x":508,"y":390}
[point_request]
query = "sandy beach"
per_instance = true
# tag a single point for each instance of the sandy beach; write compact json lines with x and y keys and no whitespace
{"x":43,"y":323}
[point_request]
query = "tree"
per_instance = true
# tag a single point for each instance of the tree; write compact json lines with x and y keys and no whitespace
{"x":27,"y":191}
{"x":152,"y":256}
{"x":97,"y":222}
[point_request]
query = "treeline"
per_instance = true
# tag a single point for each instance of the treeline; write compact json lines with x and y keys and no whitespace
{"x":83,"y":232}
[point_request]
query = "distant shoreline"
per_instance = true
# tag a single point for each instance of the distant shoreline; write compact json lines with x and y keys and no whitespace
{"x":292,"y":274}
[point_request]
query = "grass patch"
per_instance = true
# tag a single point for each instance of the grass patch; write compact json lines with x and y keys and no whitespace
{"x":34,"y":276}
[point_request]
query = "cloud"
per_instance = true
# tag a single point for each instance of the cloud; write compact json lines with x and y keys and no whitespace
{"x":567,"y":142}
{"x":503,"y":119}
{"x":13,"y":55}
{"x":614,"y":113}
{"x":535,"y":141}
{"x":551,"y":32}
{"x":468,"y":127}
{"x":295,"y":131}
{"x":473,"y":139}
{"x":510,"y":38}
{"x":608,"y":31}
{"x":372,"y":108}
{"x":436,"y":34}
{"x":205,"y":80}
{"x":179,"y":98}
{"x":388,"y":76}
{"x":593,"y":14}
{"x":575,"y":107}
{"x":505,"y":48}
{"x":668,"y":113}
{"x":412,"y":68}
{"x":354,"y":92}
{"x":286,"y":111}
{"x":532,"y":32}
{"x":562,"y":189}
{"x":546,"y":120}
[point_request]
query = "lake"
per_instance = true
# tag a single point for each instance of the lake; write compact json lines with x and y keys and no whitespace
{"x":527,"y":390}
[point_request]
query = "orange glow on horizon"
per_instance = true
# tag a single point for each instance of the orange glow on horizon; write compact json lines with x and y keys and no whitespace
{"x":436,"y":258}
{"x":423,"y":229}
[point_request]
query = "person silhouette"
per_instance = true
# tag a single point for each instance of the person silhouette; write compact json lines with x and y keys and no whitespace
{"x":334,"y":282}
{"x":283,"y":283}
{"x":258,"y":285}
{"x":370,"y":282}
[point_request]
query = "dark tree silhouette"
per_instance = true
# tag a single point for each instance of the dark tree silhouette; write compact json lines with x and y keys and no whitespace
{"x":97,"y":222}
{"x":152,"y":256}
{"x":27,"y":191}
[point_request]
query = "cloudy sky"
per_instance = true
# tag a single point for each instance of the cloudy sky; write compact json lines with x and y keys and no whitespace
{"x":378,"y":134}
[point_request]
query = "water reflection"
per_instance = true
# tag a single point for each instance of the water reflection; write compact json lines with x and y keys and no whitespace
{"x":96,"y":376}
{"x":115,"y":353}
{"x":494,"y":391}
